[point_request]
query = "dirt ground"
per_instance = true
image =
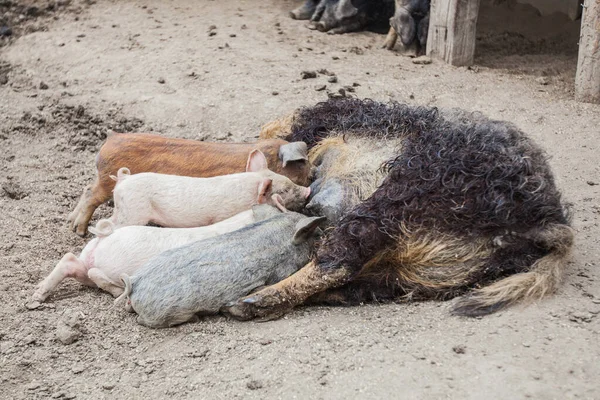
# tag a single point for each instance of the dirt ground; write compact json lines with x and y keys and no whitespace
{"x":71,"y":71}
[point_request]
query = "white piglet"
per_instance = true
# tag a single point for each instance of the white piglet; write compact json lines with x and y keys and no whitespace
{"x":185,"y":202}
{"x":117,"y":251}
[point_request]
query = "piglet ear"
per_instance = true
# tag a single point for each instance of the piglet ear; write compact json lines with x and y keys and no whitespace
{"x":306,"y":228}
{"x":256,"y":161}
{"x":264,"y":188}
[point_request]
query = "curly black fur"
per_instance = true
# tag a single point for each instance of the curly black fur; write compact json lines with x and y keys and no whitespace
{"x":460,"y":174}
{"x":365,"y":118}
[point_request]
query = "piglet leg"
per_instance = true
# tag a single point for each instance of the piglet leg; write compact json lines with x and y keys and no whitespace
{"x":68,"y":267}
{"x":103,"y":282}
{"x":92,"y":197}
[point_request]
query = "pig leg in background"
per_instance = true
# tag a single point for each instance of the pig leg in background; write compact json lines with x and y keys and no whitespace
{"x":101,"y":280}
{"x":305,"y":11}
{"x":68,"y":267}
{"x":314,"y":20}
{"x":422,"y":30}
{"x":349,"y":27}
{"x":390,"y":39}
{"x":91,"y":198}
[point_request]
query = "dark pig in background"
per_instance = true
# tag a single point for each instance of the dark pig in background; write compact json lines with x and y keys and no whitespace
{"x":411,"y":23}
{"x":341,"y":16}
{"x":206,"y":275}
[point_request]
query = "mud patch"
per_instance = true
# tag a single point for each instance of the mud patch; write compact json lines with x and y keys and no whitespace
{"x":82,"y":130}
{"x":21,"y":17}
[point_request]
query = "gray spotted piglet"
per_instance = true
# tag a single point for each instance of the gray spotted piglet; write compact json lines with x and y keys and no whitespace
{"x":201,"y":277}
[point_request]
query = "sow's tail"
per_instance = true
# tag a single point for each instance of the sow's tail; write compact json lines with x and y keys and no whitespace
{"x":103,"y":228}
{"x":123,"y":298}
{"x":543,"y":277}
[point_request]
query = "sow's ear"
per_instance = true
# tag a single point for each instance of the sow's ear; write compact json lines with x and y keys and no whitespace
{"x":256,"y":161}
{"x":294,"y":151}
{"x":306,"y":228}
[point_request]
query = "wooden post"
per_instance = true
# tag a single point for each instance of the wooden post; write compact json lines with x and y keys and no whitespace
{"x":587,"y":81}
{"x":452,"y":25}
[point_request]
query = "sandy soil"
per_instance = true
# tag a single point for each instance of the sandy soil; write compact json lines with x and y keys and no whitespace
{"x":81,"y":68}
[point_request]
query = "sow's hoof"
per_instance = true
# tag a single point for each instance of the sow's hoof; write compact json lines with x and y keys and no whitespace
{"x":264,"y":305}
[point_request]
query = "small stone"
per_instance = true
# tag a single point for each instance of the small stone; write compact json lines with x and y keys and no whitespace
{"x":67,"y":335}
{"x":459,"y":349}
{"x":355,"y":84}
{"x":108,"y":385}
{"x":244,"y":26}
{"x":592,"y":183}
{"x":596,"y":301}
{"x":526,"y":344}
{"x":308,"y":74}
{"x":77,"y":369}
{"x":43,"y":86}
{"x":212,"y":33}
{"x":274,"y":93}
{"x":5,"y":31}
{"x":332,"y":79}
{"x":212,"y":27}
{"x":319,"y":88}
{"x":3,"y":79}
{"x":161,"y":80}
{"x":423,"y":60}
{"x":232,"y":35}
{"x":323,"y":71}
{"x":356,"y":50}
{"x":33,"y":386}
{"x":254,"y":385}
{"x":265,"y":342}
{"x":335,"y":58}
{"x":543,"y":80}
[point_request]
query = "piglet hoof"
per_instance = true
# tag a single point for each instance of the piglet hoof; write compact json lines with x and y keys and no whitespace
{"x":36,"y":301}
{"x":33,"y":305}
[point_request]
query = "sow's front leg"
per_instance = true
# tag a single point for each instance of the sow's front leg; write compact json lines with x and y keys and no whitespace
{"x":357,"y":239}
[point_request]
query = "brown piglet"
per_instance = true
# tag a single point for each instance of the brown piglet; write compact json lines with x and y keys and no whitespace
{"x":141,"y":152}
